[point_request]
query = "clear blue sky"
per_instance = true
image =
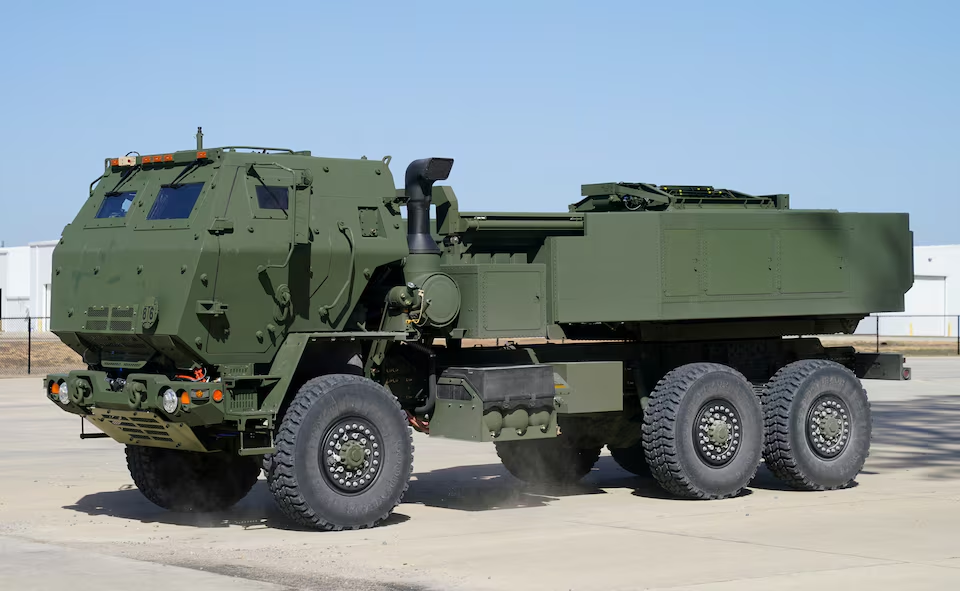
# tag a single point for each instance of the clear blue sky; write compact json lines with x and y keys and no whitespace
{"x":847,"y":105}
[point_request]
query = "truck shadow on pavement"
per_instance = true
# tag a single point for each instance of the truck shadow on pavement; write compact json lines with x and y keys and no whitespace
{"x":483,"y":487}
{"x":919,"y":434}
{"x":489,"y":487}
{"x":256,"y":511}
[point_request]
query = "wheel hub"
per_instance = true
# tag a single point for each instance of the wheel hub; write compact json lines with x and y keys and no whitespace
{"x":828,"y":426}
{"x":717,"y":432}
{"x":350,"y":455}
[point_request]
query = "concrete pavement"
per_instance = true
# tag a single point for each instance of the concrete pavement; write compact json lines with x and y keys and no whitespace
{"x":466,"y":524}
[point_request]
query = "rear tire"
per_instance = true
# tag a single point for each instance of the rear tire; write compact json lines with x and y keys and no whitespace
{"x":817,"y":425}
{"x":703,"y":432}
{"x":344,"y":454}
{"x":547,"y":461}
{"x":184,"y":481}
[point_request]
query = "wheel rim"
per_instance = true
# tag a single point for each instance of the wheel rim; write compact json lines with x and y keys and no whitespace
{"x":716,"y":432}
{"x":350,"y":457}
{"x":828,"y":426}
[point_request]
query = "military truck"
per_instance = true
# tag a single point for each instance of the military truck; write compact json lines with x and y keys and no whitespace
{"x":243,"y":310}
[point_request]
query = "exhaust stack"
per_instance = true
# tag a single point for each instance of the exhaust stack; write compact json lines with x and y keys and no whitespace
{"x":430,"y":297}
{"x":418,"y":186}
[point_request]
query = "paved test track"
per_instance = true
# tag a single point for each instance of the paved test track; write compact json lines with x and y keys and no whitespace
{"x":71,"y":518}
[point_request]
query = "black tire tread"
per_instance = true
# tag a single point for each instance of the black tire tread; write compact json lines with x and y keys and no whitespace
{"x":183,"y":481}
{"x":282,"y":479}
{"x":659,"y":438}
{"x":632,"y":459}
{"x":547,"y":461}
{"x":777,"y":398}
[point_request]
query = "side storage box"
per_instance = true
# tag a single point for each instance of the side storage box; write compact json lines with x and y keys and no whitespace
{"x":501,"y":300}
{"x":504,"y":403}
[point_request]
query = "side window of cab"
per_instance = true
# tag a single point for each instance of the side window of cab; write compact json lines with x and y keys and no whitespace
{"x":269,"y":194}
{"x":273,"y":197}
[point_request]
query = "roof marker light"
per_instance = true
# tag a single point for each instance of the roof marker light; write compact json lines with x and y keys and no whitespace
{"x":168,"y":157}
{"x":201,"y":155}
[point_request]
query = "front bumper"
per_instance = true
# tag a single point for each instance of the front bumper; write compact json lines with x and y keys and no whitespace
{"x":232,"y":404}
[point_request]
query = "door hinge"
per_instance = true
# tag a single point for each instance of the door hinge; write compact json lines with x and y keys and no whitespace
{"x":211,"y":307}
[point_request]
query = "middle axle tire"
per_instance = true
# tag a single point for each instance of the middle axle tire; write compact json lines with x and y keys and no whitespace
{"x":547,"y":461}
{"x":703,"y":432}
{"x":344,"y":454}
{"x":631,"y":459}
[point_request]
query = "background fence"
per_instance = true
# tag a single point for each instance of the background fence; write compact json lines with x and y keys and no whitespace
{"x":27,"y":348}
{"x":932,"y":333}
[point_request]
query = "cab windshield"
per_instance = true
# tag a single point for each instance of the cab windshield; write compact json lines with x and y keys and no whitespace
{"x":116,"y":205}
{"x":175,"y":202}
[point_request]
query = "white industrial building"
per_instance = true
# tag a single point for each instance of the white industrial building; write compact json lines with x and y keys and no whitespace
{"x":932,"y":305}
{"x":25,"y":274}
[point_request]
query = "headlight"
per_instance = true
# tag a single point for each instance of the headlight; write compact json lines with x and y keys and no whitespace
{"x":64,"y":394}
{"x":170,"y":401}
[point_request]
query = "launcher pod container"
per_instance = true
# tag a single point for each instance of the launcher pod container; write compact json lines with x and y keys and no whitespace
{"x":245,"y":309}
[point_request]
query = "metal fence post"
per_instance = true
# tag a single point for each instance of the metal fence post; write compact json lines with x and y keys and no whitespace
{"x":29,"y":344}
{"x":878,"y":333}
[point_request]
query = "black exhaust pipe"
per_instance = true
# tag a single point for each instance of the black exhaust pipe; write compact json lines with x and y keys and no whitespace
{"x":418,"y":186}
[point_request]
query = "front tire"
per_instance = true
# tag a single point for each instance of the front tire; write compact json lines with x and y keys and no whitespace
{"x":344,"y":454}
{"x":817,"y":425}
{"x":703,"y":432}
{"x":184,"y":481}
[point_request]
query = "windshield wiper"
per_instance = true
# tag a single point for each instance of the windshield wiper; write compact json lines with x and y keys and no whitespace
{"x":186,"y":169}
{"x":123,"y":178}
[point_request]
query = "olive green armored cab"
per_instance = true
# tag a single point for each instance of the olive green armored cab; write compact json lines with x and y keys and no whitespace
{"x":245,"y":310}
